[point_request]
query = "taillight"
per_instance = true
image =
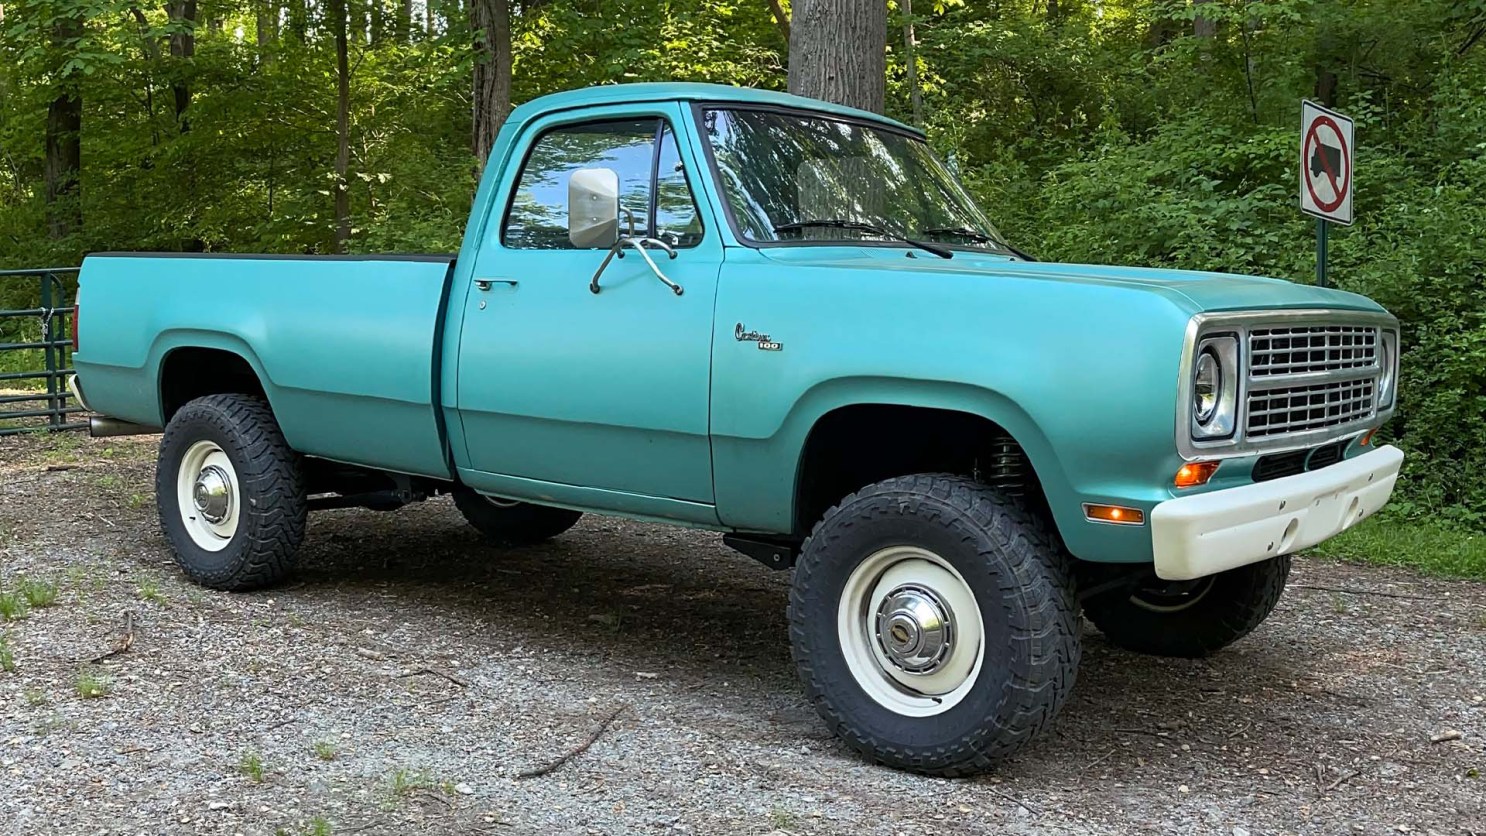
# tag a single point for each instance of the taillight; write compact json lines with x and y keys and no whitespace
{"x":76,"y":311}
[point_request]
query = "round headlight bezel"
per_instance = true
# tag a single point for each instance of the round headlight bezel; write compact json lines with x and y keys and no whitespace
{"x":1218,"y":355}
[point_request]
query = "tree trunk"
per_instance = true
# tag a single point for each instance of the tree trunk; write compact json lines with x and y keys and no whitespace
{"x":1325,"y":87}
{"x":342,"y":126}
{"x":267,"y":21}
{"x":404,"y":21}
{"x":299,"y":20}
{"x":1203,"y":27}
{"x":182,"y":15}
{"x":910,"y":62}
{"x":64,"y":124}
{"x":781,"y":19}
{"x":491,"y":21}
{"x":838,"y":52}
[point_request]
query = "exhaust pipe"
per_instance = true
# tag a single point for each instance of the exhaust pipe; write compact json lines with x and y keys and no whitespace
{"x":100,"y":426}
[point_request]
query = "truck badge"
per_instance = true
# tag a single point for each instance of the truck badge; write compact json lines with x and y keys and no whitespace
{"x":763,"y":340}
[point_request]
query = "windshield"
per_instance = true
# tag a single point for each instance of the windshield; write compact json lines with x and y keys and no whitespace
{"x":799,"y":177}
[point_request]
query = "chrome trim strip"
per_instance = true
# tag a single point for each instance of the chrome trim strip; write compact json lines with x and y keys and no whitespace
{"x":1206,"y":324}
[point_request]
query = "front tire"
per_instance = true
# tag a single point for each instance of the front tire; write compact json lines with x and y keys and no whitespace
{"x":507,"y":522}
{"x":230,"y":493}
{"x":934,"y":624}
{"x":1194,"y":618}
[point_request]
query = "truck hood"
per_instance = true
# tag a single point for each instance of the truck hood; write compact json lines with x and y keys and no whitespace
{"x":1196,"y":291}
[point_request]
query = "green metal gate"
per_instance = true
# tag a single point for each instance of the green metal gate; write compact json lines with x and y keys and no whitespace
{"x":36,"y":352}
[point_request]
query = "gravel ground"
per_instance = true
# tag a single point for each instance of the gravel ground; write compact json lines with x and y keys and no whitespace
{"x":409,"y":674}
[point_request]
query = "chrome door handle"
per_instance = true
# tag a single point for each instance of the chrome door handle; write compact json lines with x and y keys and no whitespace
{"x":486,"y":284}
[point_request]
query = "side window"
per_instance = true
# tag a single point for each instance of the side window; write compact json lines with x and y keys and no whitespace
{"x":677,"y":221}
{"x":538,"y":216}
{"x":653,"y":186}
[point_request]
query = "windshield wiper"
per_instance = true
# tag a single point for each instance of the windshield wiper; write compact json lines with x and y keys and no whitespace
{"x":979,"y":238}
{"x":962,"y":231}
{"x":796,"y":226}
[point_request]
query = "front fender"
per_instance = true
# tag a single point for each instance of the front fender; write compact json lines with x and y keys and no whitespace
{"x":757,"y":477}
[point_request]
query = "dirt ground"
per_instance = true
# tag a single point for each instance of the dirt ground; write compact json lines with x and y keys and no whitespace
{"x":409,"y":675}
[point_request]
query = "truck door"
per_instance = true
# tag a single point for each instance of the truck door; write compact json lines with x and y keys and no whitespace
{"x":605,"y":390}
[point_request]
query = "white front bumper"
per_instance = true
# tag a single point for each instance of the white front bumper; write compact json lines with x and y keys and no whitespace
{"x":1212,"y":532}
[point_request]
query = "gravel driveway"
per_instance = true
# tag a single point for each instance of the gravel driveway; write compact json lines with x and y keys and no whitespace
{"x":409,"y":675}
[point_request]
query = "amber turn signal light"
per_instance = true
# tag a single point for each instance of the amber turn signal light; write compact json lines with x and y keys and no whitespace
{"x":1367,"y":439}
{"x":1116,"y":514}
{"x":1193,"y":474}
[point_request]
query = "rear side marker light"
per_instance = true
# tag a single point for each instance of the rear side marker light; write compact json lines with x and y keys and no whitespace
{"x":1193,"y":474}
{"x":1114,"y":514}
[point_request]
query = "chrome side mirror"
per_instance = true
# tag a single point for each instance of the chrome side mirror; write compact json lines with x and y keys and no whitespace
{"x":593,"y":208}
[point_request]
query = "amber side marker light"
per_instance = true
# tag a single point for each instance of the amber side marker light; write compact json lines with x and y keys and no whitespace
{"x":1116,"y":514}
{"x":1367,"y":439}
{"x":1193,"y":474}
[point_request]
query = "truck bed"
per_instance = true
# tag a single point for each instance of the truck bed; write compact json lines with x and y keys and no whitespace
{"x":346,"y":346}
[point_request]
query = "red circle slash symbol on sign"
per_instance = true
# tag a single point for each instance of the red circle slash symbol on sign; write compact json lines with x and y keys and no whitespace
{"x":1330,"y":161}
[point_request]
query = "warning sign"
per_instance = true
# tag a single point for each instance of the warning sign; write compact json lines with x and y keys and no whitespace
{"x":1325,"y":163}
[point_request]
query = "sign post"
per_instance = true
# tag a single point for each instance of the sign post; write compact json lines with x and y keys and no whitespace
{"x":1325,"y":173}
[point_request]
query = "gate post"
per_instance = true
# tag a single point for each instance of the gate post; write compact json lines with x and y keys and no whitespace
{"x":48,"y":351}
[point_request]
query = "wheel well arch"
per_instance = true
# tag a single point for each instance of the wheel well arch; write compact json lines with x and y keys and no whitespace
{"x":190,"y":372}
{"x":860,"y":444}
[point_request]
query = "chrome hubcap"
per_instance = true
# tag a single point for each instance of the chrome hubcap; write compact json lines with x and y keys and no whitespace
{"x":212,"y":493}
{"x":910,"y":631}
{"x":914,"y":629}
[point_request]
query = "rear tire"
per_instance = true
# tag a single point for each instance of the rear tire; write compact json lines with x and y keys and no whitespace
{"x":1191,"y":619}
{"x":507,"y":522}
{"x":934,"y":624}
{"x":230,"y":493}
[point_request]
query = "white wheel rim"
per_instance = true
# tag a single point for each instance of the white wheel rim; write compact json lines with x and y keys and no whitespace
{"x":208,"y":495}
{"x":910,"y":677}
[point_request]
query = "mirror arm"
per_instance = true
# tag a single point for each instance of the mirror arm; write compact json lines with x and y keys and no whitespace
{"x":639,"y":244}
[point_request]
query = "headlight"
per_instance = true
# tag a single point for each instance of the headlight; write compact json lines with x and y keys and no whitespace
{"x":1215,"y":388}
{"x":1387,"y":368}
{"x":1207,"y":384}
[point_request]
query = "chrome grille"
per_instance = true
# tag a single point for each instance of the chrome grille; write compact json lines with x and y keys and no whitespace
{"x":1299,"y":408}
{"x":1303,"y":349}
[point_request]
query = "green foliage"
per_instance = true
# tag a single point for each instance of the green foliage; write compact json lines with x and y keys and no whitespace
{"x":251,"y":765}
{"x":39,"y":594}
{"x":12,"y":606}
{"x":91,"y":685}
{"x":1428,"y":547}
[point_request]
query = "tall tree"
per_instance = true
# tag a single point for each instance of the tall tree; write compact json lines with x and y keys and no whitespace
{"x":910,"y":60}
{"x":64,"y":125}
{"x":182,"y":14}
{"x":1203,"y":27}
{"x":838,"y":52}
{"x":491,"y":22}
{"x":781,"y":18}
{"x":339,"y":20}
{"x":266,"y":13}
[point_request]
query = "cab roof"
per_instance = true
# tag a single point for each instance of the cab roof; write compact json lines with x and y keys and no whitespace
{"x":609,"y":94}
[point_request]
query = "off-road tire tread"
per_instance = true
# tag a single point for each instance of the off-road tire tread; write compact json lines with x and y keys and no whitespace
{"x":522,"y":525}
{"x":1036,"y":575}
{"x":274,"y":509}
{"x":1239,"y":602}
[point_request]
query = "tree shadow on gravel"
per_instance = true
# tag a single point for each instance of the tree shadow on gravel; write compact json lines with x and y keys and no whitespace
{"x":642,"y":597}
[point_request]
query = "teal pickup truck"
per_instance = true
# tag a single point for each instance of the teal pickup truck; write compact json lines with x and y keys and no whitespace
{"x":782,"y":320}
